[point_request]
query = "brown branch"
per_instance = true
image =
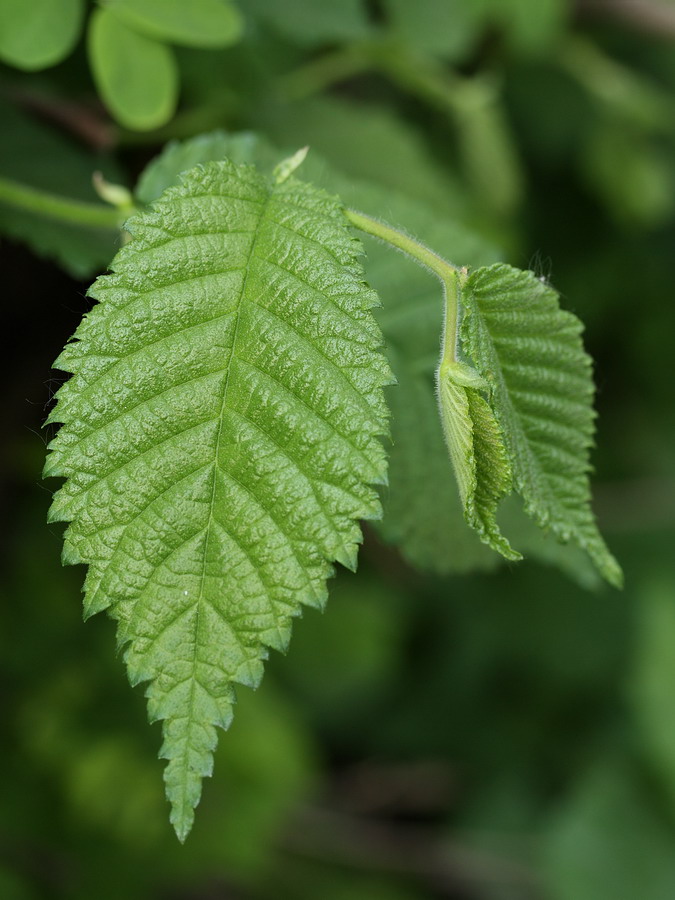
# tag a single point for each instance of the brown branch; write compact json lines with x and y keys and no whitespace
{"x":444,"y":865}
{"x":83,"y":121}
{"x":649,"y":16}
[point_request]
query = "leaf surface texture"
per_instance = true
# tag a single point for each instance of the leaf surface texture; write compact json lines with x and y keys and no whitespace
{"x":220,"y":441}
{"x":530,"y":353}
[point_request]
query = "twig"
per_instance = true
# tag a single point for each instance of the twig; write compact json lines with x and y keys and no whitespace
{"x":648,"y":15}
{"x":443,"y":864}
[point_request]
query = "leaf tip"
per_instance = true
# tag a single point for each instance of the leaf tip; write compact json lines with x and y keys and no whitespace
{"x":182,"y":824}
{"x":612,"y":572}
{"x":284,"y":169}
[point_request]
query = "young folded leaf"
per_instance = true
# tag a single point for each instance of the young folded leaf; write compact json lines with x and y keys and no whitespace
{"x":423,"y":513}
{"x":220,"y":439}
{"x":476,"y":450}
{"x":530,"y":353}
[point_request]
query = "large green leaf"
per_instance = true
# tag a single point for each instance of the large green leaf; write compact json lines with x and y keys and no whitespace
{"x":40,"y":34}
{"x":530,"y":353}
{"x":199,"y":23}
{"x":221,"y":431}
{"x":422,"y":511}
{"x":136,"y":75}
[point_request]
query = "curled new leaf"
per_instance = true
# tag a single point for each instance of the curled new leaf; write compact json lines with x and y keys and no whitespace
{"x":530,"y":353}
{"x":476,"y":449}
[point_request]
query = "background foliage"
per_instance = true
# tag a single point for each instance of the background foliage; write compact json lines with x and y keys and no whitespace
{"x":504,"y":735}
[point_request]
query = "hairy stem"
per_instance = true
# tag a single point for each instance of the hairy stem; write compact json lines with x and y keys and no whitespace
{"x":449,"y":275}
{"x":61,"y":209}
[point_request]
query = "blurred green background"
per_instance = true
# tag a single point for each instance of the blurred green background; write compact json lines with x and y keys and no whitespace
{"x":494,"y":736}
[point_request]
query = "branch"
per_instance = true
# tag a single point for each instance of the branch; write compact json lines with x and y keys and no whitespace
{"x":413,"y":850}
{"x":648,"y":15}
{"x":62,"y":209}
{"x":449,"y":275}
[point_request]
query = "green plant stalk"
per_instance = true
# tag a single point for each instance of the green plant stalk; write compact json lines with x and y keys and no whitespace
{"x":62,"y":209}
{"x":320,"y":74}
{"x":450,"y":276}
{"x":419,"y":76}
{"x":422,"y":77}
{"x":617,"y":87}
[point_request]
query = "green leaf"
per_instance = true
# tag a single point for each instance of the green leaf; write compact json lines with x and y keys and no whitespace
{"x":447,"y":29}
{"x":199,"y":23}
{"x":475,"y":443}
{"x":422,"y":510}
{"x":220,"y":435}
{"x":309,"y":22}
{"x":180,"y":156}
{"x":40,"y":34}
{"x":137,"y":77}
{"x":530,"y":353}
{"x":535,"y":544}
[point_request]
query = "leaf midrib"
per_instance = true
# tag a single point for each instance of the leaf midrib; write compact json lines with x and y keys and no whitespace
{"x":211,"y":519}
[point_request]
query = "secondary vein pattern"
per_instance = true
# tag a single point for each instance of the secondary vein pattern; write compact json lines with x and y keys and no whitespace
{"x":220,"y":440}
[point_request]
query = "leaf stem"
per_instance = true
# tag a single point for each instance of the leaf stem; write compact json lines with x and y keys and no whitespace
{"x":62,"y":209}
{"x":320,"y":74}
{"x":450,"y":276}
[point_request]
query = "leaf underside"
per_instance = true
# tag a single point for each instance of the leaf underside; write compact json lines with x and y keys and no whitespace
{"x":423,"y":514}
{"x":530,"y":353}
{"x":221,"y":435}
